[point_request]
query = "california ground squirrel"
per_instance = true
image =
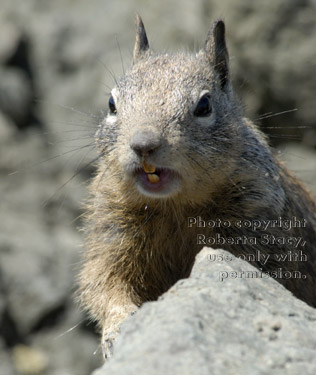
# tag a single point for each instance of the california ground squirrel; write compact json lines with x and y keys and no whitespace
{"x":180,"y":167}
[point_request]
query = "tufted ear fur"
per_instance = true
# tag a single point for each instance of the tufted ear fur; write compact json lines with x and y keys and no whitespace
{"x":141,"y":43}
{"x":215,"y":48}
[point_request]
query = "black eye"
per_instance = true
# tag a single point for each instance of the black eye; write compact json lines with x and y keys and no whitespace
{"x":112,"y":105}
{"x":204,"y":106}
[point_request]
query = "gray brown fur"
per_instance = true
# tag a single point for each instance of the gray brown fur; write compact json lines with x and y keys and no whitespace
{"x":138,"y":246}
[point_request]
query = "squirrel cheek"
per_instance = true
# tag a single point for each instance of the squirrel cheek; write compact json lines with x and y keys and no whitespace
{"x":153,"y":178}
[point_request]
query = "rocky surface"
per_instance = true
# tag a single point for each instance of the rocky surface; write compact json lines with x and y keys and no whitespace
{"x":206,"y":326}
{"x":56,"y":64}
{"x":39,"y":252}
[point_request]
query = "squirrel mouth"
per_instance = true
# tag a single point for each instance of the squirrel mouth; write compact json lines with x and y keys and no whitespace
{"x":153,"y":175}
{"x":152,"y":181}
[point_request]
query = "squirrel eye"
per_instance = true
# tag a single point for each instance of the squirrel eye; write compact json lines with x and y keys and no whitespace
{"x":204,"y":106}
{"x":112,"y":105}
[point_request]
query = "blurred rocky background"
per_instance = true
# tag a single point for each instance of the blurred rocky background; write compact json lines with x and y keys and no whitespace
{"x":58,"y":62}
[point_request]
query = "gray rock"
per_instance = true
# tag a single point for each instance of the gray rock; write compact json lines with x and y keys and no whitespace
{"x":39,"y":253}
{"x":5,"y":361}
{"x":206,"y":326}
{"x":35,"y":258}
{"x":10,"y":41}
{"x":15,"y":94}
{"x":69,"y":348}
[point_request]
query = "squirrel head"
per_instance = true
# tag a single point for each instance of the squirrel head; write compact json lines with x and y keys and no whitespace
{"x":170,"y":120}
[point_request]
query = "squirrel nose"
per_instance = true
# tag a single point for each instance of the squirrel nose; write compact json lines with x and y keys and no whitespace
{"x":144,"y":143}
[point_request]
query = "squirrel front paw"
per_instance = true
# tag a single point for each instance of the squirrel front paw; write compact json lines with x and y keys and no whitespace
{"x":112,"y":327}
{"x":107,"y":343}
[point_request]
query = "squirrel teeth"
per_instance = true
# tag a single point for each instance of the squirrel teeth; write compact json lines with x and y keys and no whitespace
{"x":153,"y":178}
{"x":148,"y":168}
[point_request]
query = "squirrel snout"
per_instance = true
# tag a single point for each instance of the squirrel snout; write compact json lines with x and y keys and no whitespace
{"x":144,"y":143}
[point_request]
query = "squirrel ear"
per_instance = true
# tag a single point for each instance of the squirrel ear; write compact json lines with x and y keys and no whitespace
{"x":215,"y":48}
{"x":141,"y":43}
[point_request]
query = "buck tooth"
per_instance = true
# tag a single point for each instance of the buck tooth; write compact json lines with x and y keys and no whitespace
{"x":149,"y":168}
{"x":153,"y":178}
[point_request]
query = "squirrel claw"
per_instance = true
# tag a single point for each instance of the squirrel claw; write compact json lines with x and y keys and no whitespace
{"x":109,"y":335}
{"x":108,"y":343}
{"x":107,"y":349}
